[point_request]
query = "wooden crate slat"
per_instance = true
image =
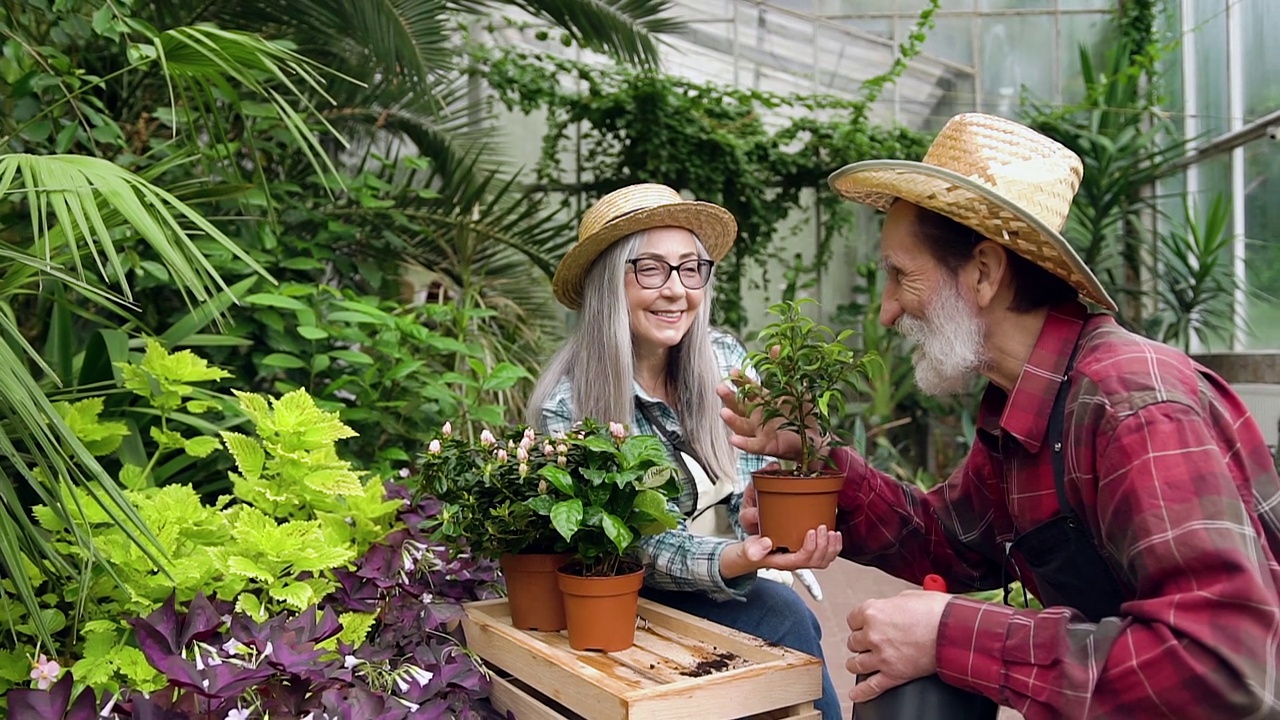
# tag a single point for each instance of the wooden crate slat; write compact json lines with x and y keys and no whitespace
{"x":680,"y":667}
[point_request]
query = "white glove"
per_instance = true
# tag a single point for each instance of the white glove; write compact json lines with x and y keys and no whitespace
{"x":788,"y":578}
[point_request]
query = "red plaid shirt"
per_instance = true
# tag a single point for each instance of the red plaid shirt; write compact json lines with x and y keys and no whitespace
{"x":1167,"y":468}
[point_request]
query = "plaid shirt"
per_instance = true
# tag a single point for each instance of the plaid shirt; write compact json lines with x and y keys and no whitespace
{"x":1166,"y":467}
{"x":677,"y":559}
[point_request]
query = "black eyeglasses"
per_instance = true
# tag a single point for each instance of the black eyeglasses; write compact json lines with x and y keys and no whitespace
{"x":652,"y":274}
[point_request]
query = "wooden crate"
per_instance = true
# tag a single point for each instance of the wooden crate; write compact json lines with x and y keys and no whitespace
{"x":680,"y":667}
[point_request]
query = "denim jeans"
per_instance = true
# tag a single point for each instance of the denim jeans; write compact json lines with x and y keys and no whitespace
{"x":772,"y":612}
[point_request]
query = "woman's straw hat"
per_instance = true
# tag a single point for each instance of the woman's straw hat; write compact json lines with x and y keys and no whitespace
{"x":1004,"y":180}
{"x":632,"y":209}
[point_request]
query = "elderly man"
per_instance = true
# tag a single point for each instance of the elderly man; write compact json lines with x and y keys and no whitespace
{"x":1125,"y":485}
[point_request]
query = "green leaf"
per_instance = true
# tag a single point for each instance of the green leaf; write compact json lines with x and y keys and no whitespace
{"x":312,"y":332}
{"x":558,"y":477}
{"x":617,"y":531}
{"x":566,"y":516}
{"x":541,"y":504}
{"x":274,"y":300}
{"x":282,"y":360}
{"x":354,"y":357}
{"x":652,"y":503}
{"x":244,"y":567}
{"x":247,"y":452}
{"x":201,"y":446}
{"x":296,"y":595}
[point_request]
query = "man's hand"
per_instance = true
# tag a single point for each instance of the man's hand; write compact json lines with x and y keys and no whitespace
{"x":896,"y":638}
{"x":750,"y":433}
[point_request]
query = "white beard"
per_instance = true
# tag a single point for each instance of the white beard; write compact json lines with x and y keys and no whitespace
{"x":949,"y":342}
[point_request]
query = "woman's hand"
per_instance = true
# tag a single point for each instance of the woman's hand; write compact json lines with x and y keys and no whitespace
{"x":821,"y":548}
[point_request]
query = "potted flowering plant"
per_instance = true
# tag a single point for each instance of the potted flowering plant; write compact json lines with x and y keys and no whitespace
{"x":606,"y":489}
{"x":801,"y":380}
{"x":490,"y":488}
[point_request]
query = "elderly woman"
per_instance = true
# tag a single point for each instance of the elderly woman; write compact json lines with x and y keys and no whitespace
{"x":643,"y":352}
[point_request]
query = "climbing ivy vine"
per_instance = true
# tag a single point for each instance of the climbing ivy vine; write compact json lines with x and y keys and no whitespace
{"x":622,"y":126}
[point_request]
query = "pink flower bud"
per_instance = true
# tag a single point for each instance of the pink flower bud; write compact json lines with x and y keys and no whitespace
{"x":524,"y":469}
{"x":617,"y":430}
{"x":433,"y":446}
{"x":548,"y":450}
{"x":562,"y":461}
{"x":529,"y":435}
{"x":522,"y":455}
{"x":502,"y":455}
{"x":447,"y":430}
{"x":562,"y":448}
{"x":487,"y":438}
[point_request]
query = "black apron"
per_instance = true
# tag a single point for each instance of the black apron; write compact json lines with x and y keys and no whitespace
{"x":1070,"y":568}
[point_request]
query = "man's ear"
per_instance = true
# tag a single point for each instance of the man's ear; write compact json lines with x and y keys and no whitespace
{"x":987,"y":272}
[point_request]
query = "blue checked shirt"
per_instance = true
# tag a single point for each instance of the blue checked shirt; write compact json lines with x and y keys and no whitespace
{"x":678,"y":559}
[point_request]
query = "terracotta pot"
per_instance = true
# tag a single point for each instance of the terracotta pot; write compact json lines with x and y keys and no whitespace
{"x":532,"y":591}
{"x":792,"y":506}
{"x":601,"y":610}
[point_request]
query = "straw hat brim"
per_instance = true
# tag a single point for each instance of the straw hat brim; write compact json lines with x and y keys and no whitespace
{"x":879,"y":182}
{"x":713,"y":225}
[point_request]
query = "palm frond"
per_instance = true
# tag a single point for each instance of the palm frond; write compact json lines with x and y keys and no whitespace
{"x":209,"y":67}
{"x":92,"y":200}
{"x":625,"y":29}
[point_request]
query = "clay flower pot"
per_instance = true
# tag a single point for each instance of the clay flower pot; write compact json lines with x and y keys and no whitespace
{"x":601,"y":610}
{"x":533,"y":593}
{"x":792,"y":506}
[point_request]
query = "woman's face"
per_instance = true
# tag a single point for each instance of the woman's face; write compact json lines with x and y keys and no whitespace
{"x":660,"y":316}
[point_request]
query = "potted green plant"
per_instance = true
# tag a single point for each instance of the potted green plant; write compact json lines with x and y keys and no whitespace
{"x":489,"y":487}
{"x":605,"y":490}
{"x":801,"y":379}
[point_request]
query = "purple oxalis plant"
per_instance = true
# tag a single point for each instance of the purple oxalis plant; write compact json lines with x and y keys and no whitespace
{"x":222,"y":664}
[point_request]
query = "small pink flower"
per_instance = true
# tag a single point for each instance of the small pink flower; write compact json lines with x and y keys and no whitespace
{"x":562,"y":461}
{"x":617,"y":430}
{"x":502,"y":455}
{"x":525,"y":443}
{"x":548,"y":449}
{"x":405,"y":472}
{"x":433,"y":447}
{"x":447,"y":430}
{"x":45,"y":672}
{"x":522,"y":455}
{"x":559,"y":435}
{"x":529,"y":435}
{"x":524,"y":469}
{"x":487,"y":438}
{"x":562,"y":448}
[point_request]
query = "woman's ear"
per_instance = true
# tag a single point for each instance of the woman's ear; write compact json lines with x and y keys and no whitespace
{"x":987,"y":272}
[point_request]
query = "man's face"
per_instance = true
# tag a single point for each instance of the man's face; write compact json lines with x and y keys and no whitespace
{"x":924,"y":302}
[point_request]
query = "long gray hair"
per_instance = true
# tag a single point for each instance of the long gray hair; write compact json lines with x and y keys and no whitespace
{"x":599,"y":363}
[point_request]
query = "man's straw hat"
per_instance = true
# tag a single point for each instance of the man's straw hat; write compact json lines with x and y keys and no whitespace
{"x":1004,"y":180}
{"x":632,"y":209}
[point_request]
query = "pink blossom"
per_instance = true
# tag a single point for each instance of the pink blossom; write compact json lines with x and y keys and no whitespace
{"x":502,"y":455}
{"x":447,"y":430}
{"x":617,"y":430}
{"x":45,"y":672}
{"x":562,"y":461}
{"x":529,"y":435}
{"x":548,"y":449}
{"x":562,"y":448}
{"x":487,"y":438}
{"x":405,"y":472}
{"x":434,"y":446}
{"x":524,"y":469}
{"x":522,"y":455}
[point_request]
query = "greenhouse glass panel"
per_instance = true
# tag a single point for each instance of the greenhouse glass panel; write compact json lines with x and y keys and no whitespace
{"x":1210,"y":27}
{"x":1260,"y":21}
{"x":1017,"y":51}
{"x":1262,"y":248}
